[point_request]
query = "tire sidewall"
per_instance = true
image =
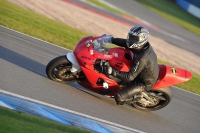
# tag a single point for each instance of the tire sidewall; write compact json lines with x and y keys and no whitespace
{"x":168,"y":94}
{"x":53,"y":63}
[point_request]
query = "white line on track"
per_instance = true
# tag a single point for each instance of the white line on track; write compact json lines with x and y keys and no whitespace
{"x":34,"y":37}
{"x":71,"y":50}
{"x":72,"y":112}
{"x":67,"y":110}
{"x":186,"y":91}
{"x":161,"y":31}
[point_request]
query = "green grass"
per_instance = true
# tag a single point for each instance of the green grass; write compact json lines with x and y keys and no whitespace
{"x":182,"y":17}
{"x":165,"y":8}
{"x":38,"y":26}
{"x":58,"y":33}
{"x":174,"y":13}
{"x":192,"y":85}
{"x":100,"y":4}
{"x":16,"y":122}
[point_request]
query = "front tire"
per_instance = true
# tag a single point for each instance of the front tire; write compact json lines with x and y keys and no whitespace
{"x":58,"y":70}
{"x":163,"y":98}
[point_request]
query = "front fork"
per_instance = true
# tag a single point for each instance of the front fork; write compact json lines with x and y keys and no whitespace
{"x":75,"y":65}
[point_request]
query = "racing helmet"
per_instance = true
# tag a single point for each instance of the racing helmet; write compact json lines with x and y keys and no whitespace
{"x":137,"y":37}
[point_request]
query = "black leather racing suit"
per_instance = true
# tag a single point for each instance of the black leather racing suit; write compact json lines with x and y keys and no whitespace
{"x":143,"y":74}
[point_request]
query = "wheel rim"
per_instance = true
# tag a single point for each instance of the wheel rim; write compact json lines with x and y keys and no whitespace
{"x":159,"y":102}
{"x":62,"y":73}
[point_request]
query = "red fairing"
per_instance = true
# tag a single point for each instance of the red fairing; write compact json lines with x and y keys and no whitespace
{"x":92,"y":79}
{"x":121,"y":59}
{"x":170,"y":76}
{"x":82,"y":53}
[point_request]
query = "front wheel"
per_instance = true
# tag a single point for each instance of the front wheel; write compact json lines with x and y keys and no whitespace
{"x":158,"y":99}
{"x":58,"y":70}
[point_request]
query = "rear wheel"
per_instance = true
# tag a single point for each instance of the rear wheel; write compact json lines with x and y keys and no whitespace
{"x":58,"y":70}
{"x":158,"y":99}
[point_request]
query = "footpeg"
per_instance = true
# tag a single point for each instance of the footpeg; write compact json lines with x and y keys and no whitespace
{"x":105,"y":85}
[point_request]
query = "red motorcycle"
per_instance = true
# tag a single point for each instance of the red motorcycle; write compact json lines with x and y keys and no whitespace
{"x":85,"y":66}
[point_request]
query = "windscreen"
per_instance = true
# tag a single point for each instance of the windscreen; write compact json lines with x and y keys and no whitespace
{"x":100,"y":46}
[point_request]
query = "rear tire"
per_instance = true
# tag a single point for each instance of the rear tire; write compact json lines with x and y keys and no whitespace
{"x":58,"y":70}
{"x":160,"y":103}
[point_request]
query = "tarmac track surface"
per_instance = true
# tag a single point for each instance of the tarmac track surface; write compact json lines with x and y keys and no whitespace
{"x":22,"y":65}
{"x":165,"y":29}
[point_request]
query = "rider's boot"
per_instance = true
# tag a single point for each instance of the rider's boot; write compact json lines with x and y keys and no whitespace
{"x":126,"y":95}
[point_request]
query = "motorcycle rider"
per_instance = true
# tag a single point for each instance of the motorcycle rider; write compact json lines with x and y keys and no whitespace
{"x":145,"y":70}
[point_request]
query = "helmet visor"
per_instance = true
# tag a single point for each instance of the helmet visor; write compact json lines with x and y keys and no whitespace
{"x":132,"y":39}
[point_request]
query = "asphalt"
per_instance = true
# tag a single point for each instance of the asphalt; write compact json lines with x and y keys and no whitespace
{"x":22,"y":64}
{"x":168,"y":31}
{"x":23,"y":61}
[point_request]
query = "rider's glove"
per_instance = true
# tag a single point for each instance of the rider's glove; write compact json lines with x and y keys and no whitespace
{"x":106,"y":39}
{"x":109,"y":70}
